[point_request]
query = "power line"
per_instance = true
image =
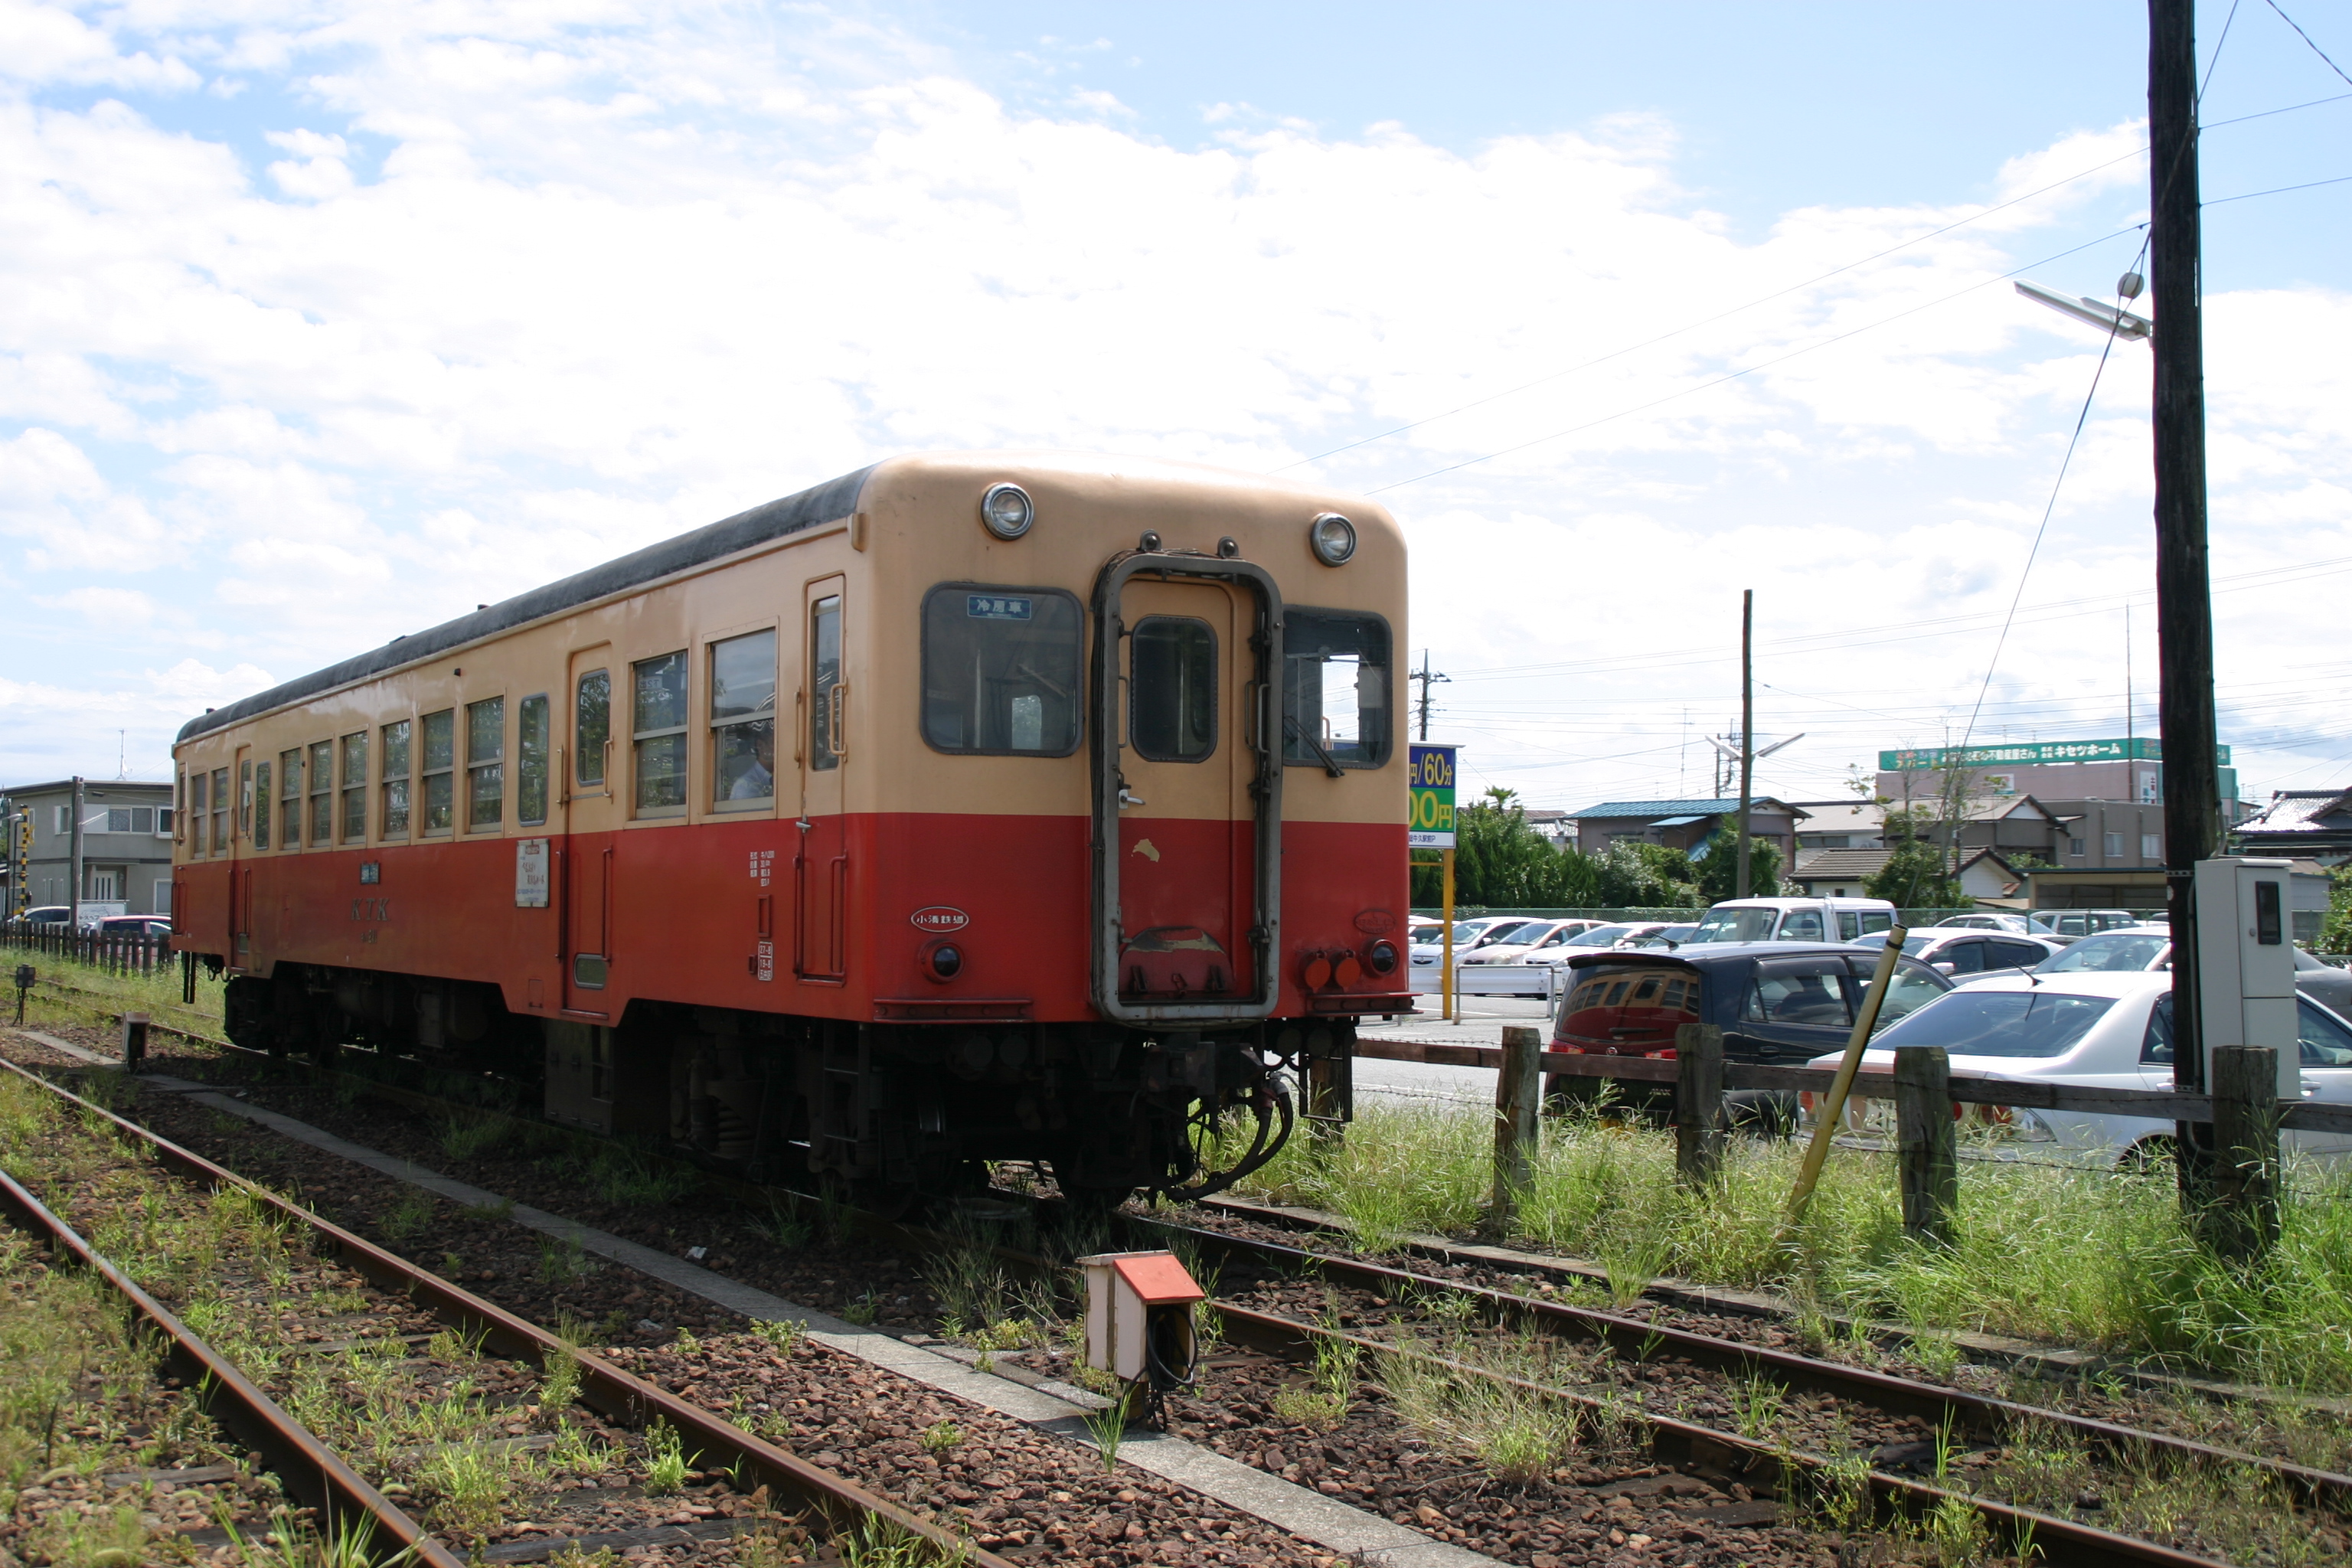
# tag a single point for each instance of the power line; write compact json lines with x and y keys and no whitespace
{"x":2307,"y":38}
{"x":2280,"y":190}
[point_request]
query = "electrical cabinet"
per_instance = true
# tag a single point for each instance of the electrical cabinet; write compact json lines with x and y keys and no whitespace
{"x":2245,"y":963}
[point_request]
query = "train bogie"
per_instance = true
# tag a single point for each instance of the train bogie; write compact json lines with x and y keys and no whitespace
{"x":967,"y":808}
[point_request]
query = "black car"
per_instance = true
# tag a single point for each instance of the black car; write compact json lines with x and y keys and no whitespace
{"x":1777,"y":1003}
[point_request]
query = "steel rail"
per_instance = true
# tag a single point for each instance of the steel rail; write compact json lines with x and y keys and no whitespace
{"x":1980,"y":1415}
{"x":704,"y":1436}
{"x":346,"y":1503}
{"x":1681,"y":1441}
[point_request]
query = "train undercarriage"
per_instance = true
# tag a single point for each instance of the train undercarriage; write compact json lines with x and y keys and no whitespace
{"x":886,"y":1111}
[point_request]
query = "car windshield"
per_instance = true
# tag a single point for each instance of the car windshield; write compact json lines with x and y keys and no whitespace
{"x":1599,"y":936}
{"x":1735,"y":925}
{"x":2112,"y":953}
{"x":1526,"y":931}
{"x":1999,"y":1024}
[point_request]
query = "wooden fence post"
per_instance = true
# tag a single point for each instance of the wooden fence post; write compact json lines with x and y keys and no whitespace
{"x":2244,"y":1219}
{"x":1698,"y":1102}
{"x":1519,"y":1090}
{"x":1925,"y":1145}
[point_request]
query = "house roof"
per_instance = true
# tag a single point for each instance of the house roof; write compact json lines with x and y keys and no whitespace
{"x":1841,"y":865}
{"x":91,"y":787}
{"x":1685,"y":808}
{"x":1842,"y":816}
{"x":2302,"y":811}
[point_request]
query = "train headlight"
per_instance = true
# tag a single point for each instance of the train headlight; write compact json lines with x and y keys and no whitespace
{"x":943,"y":961}
{"x":1382,"y":957}
{"x":1332,"y":538}
{"x":1005,"y":511}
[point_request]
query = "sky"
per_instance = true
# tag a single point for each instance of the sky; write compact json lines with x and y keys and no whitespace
{"x":320,"y":323}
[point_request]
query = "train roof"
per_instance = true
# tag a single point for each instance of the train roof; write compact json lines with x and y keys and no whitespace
{"x":824,"y":503}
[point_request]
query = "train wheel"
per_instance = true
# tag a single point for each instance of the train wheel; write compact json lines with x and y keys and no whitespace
{"x":1266,"y":1117}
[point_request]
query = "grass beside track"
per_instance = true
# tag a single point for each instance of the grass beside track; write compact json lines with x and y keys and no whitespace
{"x":2083,"y":1258}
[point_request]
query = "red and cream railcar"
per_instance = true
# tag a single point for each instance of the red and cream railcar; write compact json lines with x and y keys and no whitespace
{"x":967,"y":807}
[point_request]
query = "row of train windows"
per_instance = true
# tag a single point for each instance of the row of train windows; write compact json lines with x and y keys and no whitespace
{"x":1003,"y":674}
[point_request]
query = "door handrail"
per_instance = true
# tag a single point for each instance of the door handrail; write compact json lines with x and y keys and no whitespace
{"x":1265,"y":790}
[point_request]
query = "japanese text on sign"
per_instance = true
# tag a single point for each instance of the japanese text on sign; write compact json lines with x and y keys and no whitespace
{"x":1430,"y":779}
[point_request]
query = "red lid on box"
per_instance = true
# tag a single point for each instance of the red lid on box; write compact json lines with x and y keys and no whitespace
{"x":1156,"y":1277}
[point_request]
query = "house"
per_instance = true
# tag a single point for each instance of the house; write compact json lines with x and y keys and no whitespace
{"x":1684,"y":824}
{"x":126,"y":843}
{"x":1985,"y":876}
{"x":2316,"y":823}
{"x":1835,"y":873}
{"x":1553,"y":825}
{"x":1847,"y":824}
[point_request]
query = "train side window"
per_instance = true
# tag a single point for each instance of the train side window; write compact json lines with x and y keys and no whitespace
{"x":244,"y":802}
{"x":592,"y":726}
{"x":824,"y":685}
{"x":486,"y":763}
{"x":289,"y":799}
{"x":440,"y":770}
{"x":394,"y":771}
{"x":195,"y":812}
{"x":743,"y":722}
{"x":355,"y":764}
{"x":530,"y":761}
{"x":657,"y":734}
{"x":261,"y":805}
{"x":220,"y":810}
{"x":322,"y":791}
{"x":1172,"y":689}
{"x":1002,"y":670}
{"x":1335,"y":688}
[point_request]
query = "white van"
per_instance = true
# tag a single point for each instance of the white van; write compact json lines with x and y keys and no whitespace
{"x":1793,"y":920}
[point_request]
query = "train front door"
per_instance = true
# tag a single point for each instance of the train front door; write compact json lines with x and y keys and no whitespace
{"x":592,"y":815}
{"x":821,"y":867}
{"x":1182,"y":792}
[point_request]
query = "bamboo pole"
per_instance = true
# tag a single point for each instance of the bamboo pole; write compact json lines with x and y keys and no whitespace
{"x":1826,"y":1115}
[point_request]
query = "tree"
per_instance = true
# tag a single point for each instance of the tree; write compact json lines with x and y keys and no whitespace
{"x":2336,"y":931}
{"x":1501,"y":862}
{"x":1634,"y":874}
{"x":1914,"y":877}
{"x":1716,"y":868}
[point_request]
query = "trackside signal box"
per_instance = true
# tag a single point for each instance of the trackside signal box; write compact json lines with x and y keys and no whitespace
{"x":1139,"y":1317}
{"x":2245,"y":963}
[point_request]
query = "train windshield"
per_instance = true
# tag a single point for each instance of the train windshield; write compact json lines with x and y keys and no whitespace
{"x":1335,"y":690}
{"x":1002,"y":670}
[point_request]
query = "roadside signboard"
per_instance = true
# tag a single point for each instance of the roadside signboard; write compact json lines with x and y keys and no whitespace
{"x":1431,"y":778}
{"x":2140,"y":748}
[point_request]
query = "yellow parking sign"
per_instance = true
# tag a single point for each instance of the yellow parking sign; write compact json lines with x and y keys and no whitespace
{"x":1430,"y":776}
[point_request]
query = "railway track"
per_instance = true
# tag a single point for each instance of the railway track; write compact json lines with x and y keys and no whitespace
{"x":346,"y":1503}
{"x":1946,"y":1440}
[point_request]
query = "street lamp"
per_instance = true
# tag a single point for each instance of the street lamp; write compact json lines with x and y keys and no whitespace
{"x":2082,"y":307}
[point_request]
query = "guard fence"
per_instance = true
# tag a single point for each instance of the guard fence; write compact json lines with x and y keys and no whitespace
{"x":116,"y":952}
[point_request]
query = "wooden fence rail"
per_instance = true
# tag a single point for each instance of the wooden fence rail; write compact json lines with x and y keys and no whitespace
{"x":117,"y":953}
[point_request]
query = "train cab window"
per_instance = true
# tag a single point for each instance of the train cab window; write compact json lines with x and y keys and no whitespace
{"x":261,"y":801}
{"x":657,"y":734}
{"x":440,"y":770}
{"x":1172,"y":689}
{"x":592,"y":726}
{"x":289,"y":799}
{"x":825,"y":716}
{"x":1335,"y":688}
{"x":743,"y":722}
{"x":1002,"y":670}
{"x":220,"y":810}
{"x":393,"y":771}
{"x":355,"y":761}
{"x":195,"y":812}
{"x":486,"y":763}
{"x":530,"y":761}
{"x":322,"y":791}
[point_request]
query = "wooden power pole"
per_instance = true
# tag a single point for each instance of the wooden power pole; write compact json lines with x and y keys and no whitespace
{"x":1747,"y":730}
{"x":2184,"y":607}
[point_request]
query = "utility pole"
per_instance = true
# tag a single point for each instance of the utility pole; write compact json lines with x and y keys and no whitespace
{"x":2184,"y":605}
{"x":1426,"y":680}
{"x":1747,"y":730}
{"x":73,"y":863}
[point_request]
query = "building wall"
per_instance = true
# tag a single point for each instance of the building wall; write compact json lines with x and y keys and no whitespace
{"x":133,"y":865}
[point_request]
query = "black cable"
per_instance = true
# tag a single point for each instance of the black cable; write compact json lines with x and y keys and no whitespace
{"x":2279,"y":190}
{"x":2307,"y":38}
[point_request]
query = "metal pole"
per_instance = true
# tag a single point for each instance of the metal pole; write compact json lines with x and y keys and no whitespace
{"x":73,"y":863}
{"x":1747,"y":730}
{"x":2184,"y":607}
{"x":1445,"y":961}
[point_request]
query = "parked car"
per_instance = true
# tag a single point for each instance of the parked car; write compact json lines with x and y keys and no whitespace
{"x":1668,"y":937}
{"x":1982,"y":921}
{"x":2142,"y":949}
{"x":2079,"y":923}
{"x":47,"y":915}
{"x":1776,"y":1002}
{"x":1467,"y":934}
{"x":1597,"y":939}
{"x":1793,"y":920}
{"x":2101,"y":1031}
{"x":134,"y":925}
{"x":1972,"y":950}
{"x":1521,"y":945}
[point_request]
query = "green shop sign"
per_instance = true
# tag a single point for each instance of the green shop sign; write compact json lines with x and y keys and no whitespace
{"x":2138,"y":749}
